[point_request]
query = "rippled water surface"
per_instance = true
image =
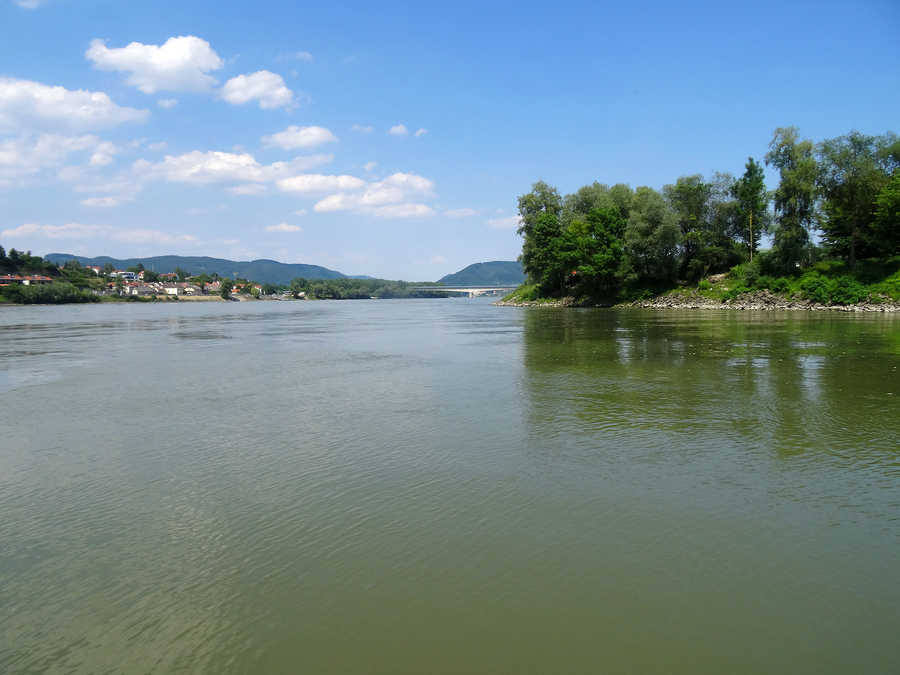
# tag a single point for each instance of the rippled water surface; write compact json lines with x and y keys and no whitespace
{"x":446,"y":487}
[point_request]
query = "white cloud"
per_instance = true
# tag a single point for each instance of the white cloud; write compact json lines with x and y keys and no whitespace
{"x":206,"y":168}
{"x":506,"y":223}
{"x":25,"y":104}
{"x":103,"y":154}
{"x":362,"y":128}
{"x":283,"y":227}
{"x":370,"y":166}
{"x":158,"y":147}
{"x":393,"y":197}
{"x":300,"y":212}
{"x":167,"y":103}
{"x":421,"y":132}
{"x":102,"y":202}
{"x":179,"y":64}
{"x":248,"y":189}
{"x":313,"y":182}
{"x":304,"y":56}
{"x":460,"y":213}
{"x":398,"y":130}
{"x":263,"y":86}
{"x":75,"y":231}
{"x":29,"y":155}
{"x":299,"y":137}
{"x":30,"y":4}
{"x":402,"y":211}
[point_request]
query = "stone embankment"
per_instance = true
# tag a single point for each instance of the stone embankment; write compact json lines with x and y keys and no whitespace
{"x":754,"y":301}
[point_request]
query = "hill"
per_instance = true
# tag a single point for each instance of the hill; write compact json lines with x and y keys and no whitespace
{"x":263,"y":271}
{"x":495,"y":273}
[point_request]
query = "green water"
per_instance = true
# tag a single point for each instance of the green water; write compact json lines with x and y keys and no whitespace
{"x":447,"y":487}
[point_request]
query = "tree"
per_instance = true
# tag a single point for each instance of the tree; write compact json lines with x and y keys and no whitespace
{"x":150,"y":276}
{"x":181,"y":274}
{"x":226,"y":287}
{"x":108,"y":267}
{"x":752,"y":205}
{"x":298,"y":286}
{"x":886,"y":224}
{"x":598,"y":252}
{"x":689,"y":199}
{"x":540,"y":226}
{"x":795,"y":196}
{"x":853,"y":169}
{"x":651,"y":238}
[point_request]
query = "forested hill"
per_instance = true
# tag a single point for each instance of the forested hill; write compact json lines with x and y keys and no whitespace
{"x":498,"y":272}
{"x":262,"y":271}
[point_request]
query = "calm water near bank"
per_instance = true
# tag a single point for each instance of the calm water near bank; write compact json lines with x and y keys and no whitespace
{"x":446,"y":486}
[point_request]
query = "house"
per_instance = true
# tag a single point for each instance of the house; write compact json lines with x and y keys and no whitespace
{"x":7,"y":279}
{"x":35,"y":280}
{"x":171,"y":289}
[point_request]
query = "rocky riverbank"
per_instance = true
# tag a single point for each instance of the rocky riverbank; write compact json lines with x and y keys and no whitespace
{"x":763,"y":300}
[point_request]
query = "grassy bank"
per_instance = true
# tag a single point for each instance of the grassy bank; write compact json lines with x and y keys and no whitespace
{"x":824,"y":284}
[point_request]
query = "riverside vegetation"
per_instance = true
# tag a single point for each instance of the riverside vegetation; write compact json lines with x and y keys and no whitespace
{"x":834,"y":222}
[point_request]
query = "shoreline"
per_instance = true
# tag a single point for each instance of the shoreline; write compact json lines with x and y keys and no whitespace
{"x":764,"y":301}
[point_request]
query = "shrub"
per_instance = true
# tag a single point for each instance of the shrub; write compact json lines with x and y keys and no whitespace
{"x":817,"y":288}
{"x":848,"y":291}
{"x":704,"y":285}
{"x":48,"y":294}
{"x":737,"y":290}
{"x":780,"y":285}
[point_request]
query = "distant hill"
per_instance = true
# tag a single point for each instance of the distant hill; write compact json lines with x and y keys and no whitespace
{"x":496,"y":273}
{"x":263,"y":271}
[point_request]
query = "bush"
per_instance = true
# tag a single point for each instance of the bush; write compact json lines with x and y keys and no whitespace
{"x":704,"y":285}
{"x":780,"y":285}
{"x":817,"y":288}
{"x":737,"y":290}
{"x":848,"y":291}
{"x":56,"y":293}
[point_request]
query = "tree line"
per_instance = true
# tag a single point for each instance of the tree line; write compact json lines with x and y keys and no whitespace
{"x":838,"y":199}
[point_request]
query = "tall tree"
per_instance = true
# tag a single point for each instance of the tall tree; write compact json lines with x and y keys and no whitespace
{"x":540,"y":227}
{"x":689,"y":198}
{"x":752,"y":205}
{"x":598,"y":252}
{"x":886,"y":225}
{"x":853,"y":169}
{"x":795,"y":196}
{"x":651,"y":238}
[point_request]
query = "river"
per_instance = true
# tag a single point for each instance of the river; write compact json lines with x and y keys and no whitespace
{"x":446,"y":486}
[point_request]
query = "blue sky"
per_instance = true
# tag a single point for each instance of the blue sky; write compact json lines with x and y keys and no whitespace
{"x":264,"y":130}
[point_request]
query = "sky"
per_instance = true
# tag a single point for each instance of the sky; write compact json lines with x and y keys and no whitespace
{"x":392,"y":139}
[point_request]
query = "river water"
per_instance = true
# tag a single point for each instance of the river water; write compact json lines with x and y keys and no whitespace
{"x":445,"y":486}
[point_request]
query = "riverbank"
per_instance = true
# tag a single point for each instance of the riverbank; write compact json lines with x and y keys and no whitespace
{"x":762,"y":300}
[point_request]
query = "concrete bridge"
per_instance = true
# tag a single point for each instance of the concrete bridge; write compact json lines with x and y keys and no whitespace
{"x":466,"y":291}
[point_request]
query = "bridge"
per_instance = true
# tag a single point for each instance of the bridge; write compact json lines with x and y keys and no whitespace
{"x":465,"y":291}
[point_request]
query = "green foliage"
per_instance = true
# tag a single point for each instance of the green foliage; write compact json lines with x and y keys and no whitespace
{"x":751,"y":205}
{"x":886,"y":221}
{"x":226,"y":288}
{"x":854,"y":172}
{"x":55,"y":293}
{"x":794,"y":198}
{"x":651,"y":239}
{"x":704,"y":285}
{"x":735,"y":291}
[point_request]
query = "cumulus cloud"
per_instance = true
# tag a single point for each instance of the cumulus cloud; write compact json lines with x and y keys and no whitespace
{"x":205,"y":168}
{"x":398,"y":130}
{"x":460,"y":213}
{"x":393,"y":197}
{"x":27,"y":156}
{"x":506,"y":223}
{"x":76,"y":231}
{"x":25,"y":104}
{"x":283,"y":227}
{"x":362,"y":128}
{"x":263,"y":86}
{"x":299,"y":137}
{"x":167,"y":103}
{"x":179,"y":64}
{"x":421,"y":132}
{"x":313,"y":182}
{"x":248,"y":189}
{"x":102,"y":202}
